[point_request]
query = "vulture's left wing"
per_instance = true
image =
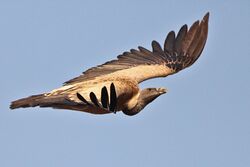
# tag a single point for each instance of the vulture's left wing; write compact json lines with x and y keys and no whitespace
{"x":108,"y":103}
{"x":179,"y":52}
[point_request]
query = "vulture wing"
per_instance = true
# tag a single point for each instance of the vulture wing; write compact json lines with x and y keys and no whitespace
{"x":180,"y":51}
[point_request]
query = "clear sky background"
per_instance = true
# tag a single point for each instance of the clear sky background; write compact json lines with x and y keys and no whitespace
{"x":203,"y":121}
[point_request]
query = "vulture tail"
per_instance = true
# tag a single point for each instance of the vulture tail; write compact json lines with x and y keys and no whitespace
{"x":37,"y":100}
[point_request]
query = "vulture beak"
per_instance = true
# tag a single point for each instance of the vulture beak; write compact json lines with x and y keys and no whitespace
{"x":162,"y":90}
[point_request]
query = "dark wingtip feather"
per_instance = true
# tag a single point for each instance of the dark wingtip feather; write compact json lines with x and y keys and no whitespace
{"x":80,"y":97}
{"x":186,"y":48}
{"x":104,"y":97}
{"x":179,"y":38}
{"x":206,"y":17}
{"x":94,"y":99}
{"x":199,"y":41}
{"x":113,"y":98}
{"x":169,"y":42}
{"x":156,"y":47}
{"x":202,"y":38}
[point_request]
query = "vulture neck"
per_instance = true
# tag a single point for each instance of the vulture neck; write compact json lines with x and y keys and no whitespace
{"x":146,"y":96}
{"x":136,"y":109}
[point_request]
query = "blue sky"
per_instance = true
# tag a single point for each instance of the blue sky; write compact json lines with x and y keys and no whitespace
{"x":202,"y":121}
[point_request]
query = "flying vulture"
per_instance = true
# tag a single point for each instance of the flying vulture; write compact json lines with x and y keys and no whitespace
{"x":114,"y":85}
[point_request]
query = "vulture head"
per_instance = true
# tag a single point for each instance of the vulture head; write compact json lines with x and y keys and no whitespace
{"x":146,"y":96}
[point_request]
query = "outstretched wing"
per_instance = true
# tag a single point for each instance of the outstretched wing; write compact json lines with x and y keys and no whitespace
{"x":179,"y":52}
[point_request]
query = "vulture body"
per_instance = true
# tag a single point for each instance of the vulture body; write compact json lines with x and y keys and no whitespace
{"x":114,"y":86}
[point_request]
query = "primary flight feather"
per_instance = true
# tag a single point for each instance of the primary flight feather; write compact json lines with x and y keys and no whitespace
{"x":114,"y":86}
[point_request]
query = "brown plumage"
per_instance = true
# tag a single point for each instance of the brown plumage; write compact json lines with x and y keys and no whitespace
{"x":113,"y":86}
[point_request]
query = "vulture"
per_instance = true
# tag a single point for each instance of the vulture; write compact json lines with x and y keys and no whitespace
{"x":114,"y":85}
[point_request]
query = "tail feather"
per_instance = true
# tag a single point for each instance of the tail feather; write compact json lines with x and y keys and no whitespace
{"x":31,"y":101}
{"x":38,"y":100}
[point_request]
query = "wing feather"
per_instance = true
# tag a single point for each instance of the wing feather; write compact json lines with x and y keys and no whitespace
{"x":169,"y":43}
{"x":179,"y":39}
{"x":179,"y":52}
